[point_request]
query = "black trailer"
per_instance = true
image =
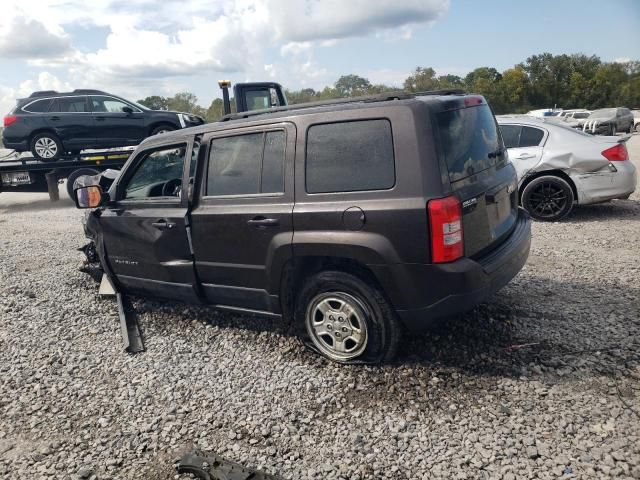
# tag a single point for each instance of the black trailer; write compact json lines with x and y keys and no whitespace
{"x":27,"y":174}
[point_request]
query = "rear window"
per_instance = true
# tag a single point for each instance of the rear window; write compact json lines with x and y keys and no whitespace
{"x":350,"y":156}
{"x":470,"y":140}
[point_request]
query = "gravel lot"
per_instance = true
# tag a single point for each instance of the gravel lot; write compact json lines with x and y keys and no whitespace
{"x":457,"y":404}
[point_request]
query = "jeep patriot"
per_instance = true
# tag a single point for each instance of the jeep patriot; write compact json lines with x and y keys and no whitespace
{"x":355,"y":220}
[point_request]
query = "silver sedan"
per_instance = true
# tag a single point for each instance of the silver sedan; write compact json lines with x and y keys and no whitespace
{"x":559,"y":167}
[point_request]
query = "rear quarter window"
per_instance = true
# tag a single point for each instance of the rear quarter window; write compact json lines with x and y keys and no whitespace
{"x":350,"y":156}
{"x":39,"y":106}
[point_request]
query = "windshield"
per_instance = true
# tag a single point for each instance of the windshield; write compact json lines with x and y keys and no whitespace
{"x":141,"y":107}
{"x":604,"y":113}
{"x":470,"y":140}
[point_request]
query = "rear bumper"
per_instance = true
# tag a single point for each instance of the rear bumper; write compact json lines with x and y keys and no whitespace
{"x":18,"y":145}
{"x":459,"y":286}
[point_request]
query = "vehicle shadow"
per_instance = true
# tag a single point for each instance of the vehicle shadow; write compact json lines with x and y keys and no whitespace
{"x":541,"y":327}
{"x":613,"y":210}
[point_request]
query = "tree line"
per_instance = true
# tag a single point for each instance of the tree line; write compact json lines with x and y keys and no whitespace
{"x":542,"y":81}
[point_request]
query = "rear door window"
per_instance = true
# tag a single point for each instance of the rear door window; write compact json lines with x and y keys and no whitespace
{"x":511,"y":135}
{"x":248,"y":164}
{"x":470,"y":140}
{"x":350,"y":156}
{"x":70,"y":105}
{"x":530,"y":137}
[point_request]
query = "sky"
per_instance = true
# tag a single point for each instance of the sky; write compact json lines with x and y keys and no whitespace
{"x":136,"y":48}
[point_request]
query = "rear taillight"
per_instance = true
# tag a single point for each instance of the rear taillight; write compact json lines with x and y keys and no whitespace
{"x":9,"y":119}
{"x":445,"y":220}
{"x":617,"y":153}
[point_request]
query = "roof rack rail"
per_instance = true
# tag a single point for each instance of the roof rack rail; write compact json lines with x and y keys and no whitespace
{"x":87,"y":90}
{"x":446,"y":91}
{"x":43,"y":93}
{"x":382,"y":97}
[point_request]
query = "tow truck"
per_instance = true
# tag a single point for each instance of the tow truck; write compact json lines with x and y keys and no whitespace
{"x":27,"y":174}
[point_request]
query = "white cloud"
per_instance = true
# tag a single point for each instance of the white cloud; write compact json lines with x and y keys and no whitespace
{"x":23,"y":38}
{"x":157,"y":46}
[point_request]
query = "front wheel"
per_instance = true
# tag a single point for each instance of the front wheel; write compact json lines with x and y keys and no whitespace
{"x":548,"y":198}
{"x":347,"y":319}
{"x":46,"y":147}
{"x":162,"y":129}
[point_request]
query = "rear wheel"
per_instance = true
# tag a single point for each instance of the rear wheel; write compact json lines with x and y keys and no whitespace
{"x":347,"y":319}
{"x":46,"y":147}
{"x":73,"y":176}
{"x":548,"y":198}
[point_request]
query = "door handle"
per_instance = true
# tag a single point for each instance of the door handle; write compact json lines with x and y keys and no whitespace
{"x":163,"y":225}
{"x":100,"y":119}
{"x":524,"y":156}
{"x":55,"y":118}
{"x":261,"y":222}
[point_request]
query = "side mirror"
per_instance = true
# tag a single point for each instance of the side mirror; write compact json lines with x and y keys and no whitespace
{"x":89,"y":197}
{"x":127,"y":110}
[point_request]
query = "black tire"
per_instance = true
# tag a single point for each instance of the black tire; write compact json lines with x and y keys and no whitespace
{"x":163,"y":128}
{"x":612,"y":130}
{"x":367,"y":312}
{"x":548,"y":198}
{"x":46,"y":147}
{"x":73,"y":176}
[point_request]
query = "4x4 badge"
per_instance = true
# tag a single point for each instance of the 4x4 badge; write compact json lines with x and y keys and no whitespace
{"x":470,"y":202}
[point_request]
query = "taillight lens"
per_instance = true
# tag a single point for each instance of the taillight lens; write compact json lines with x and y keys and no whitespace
{"x":617,"y":153}
{"x":9,"y":119}
{"x":445,"y":220}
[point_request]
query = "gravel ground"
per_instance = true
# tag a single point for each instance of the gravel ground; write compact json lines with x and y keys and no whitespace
{"x":460,"y":403}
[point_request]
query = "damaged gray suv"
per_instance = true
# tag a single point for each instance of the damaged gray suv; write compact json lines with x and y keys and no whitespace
{"x":354,"y":220}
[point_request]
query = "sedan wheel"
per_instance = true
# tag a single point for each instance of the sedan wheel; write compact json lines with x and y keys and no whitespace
{"x":337,"y":326}
{"x":548,"y":198}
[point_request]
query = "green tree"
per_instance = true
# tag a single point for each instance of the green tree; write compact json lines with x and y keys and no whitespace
{"x":352,"y":85}
{"x":422,"y":80}
{"x":155,"y":102}
{"x":185,"y":102}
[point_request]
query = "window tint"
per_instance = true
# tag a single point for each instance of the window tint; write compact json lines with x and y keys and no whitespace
{"x":107,"y":105}
{"x":247,"y":164}
{"x":531,"y":137}
{"x":157,"y":168}
{"x":69,"y":105}
{"x":511,"y":135}
{"x":350,"y":156}
{"x":580,"y":115}
{"x":40,"y":106}
{"x":470,"y":140}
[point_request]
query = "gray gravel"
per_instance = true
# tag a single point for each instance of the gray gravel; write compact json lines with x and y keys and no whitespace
{"x":457,"y":404}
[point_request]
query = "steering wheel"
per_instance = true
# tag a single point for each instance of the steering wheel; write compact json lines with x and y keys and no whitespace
{"x":172,"y":188}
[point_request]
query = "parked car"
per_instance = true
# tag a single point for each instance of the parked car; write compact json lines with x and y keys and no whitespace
{"x":559,"y":167}
{"x":354,"y":219}
{"x":50,"y":124}
{"x":609,"y":121}
{"x":636,"y":120}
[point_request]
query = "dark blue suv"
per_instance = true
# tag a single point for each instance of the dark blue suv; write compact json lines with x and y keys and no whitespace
{"x":52,"y":124}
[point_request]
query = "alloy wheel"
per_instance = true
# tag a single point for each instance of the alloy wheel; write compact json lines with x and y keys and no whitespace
{"x":336,"y":323}
{"x":46,"y":147}
{"x":548,"y":199}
